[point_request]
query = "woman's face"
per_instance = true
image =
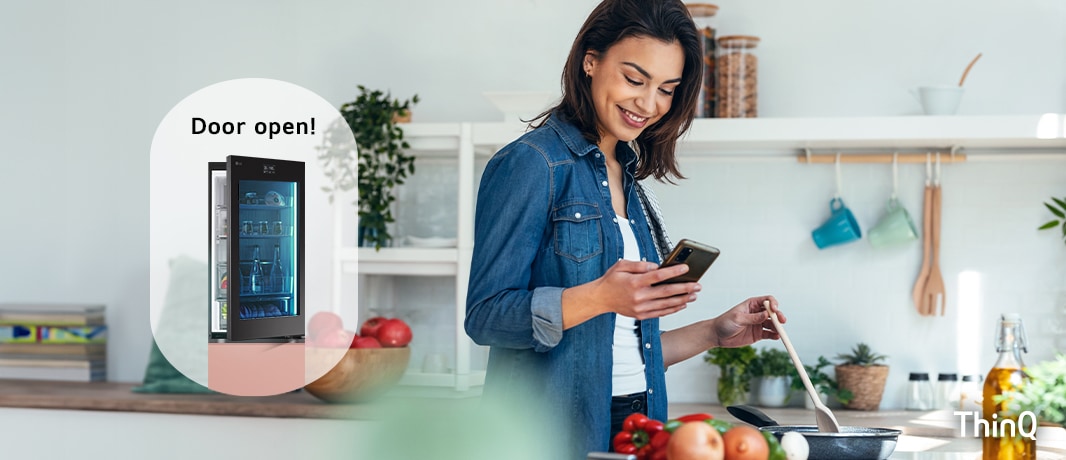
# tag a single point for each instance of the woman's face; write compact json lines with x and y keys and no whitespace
{"x":633,"y":83}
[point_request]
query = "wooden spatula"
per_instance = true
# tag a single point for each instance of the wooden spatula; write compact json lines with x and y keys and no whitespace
{"x":935,"y":293}
{"x":923,"y":273}
{"x":827,"y":423}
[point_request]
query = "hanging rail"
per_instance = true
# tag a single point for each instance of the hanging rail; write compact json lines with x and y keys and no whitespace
{"x":950,"y":156}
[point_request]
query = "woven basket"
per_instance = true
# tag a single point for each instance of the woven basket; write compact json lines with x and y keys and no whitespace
{"x":867,"y":383}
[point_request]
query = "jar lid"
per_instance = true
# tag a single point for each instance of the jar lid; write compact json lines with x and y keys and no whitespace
{"x":919,"y":376}
{"x":971,"y":378}
{"x":702,"y":10}
{"x":947,"y":377}
{"x":738,"y":41}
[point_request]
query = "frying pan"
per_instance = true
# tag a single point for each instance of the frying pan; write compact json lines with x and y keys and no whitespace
{"x":852,"y":442}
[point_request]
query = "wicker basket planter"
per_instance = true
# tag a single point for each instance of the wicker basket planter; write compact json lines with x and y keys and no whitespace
{"x":867,"y":383}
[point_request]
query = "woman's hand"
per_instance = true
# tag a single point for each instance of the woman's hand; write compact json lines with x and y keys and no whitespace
{"x":747,"y":323}
{"x":627,"y":288}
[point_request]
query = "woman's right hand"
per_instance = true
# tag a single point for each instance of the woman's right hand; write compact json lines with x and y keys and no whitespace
{"x":628,"y":288}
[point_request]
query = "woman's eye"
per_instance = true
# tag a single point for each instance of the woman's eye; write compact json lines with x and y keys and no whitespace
{"x":667,"y":92}
{"x":633,"y":82}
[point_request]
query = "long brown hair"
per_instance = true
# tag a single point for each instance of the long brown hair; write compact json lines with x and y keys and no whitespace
{"x":610,"y":22}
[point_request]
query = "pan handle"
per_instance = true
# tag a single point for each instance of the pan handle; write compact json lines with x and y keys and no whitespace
{"x":751,"y":415}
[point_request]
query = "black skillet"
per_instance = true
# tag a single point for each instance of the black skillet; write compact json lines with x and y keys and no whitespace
{"x":852,"y":442}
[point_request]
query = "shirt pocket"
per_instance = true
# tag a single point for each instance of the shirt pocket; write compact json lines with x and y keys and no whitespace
{"x":577,"y":231}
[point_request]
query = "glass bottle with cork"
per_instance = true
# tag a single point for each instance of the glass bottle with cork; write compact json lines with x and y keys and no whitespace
{"x":702,"y":16}
{"x":1006,"y":375}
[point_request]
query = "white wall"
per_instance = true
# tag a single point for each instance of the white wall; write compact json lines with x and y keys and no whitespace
{"x":84,"y":85}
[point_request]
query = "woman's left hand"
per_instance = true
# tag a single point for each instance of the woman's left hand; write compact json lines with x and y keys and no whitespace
{"x":747,"y":323}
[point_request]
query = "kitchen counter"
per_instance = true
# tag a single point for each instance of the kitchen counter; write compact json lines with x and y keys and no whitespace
{"x":112,"y":396}
{"x":932,"y":435}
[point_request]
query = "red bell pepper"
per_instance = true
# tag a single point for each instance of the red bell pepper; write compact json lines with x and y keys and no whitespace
{"x":637,"y":435}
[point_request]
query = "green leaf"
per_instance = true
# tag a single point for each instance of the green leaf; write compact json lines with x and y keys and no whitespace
{"x":1055,"y":211}
{"x":1050,"y":224}
{"x":1061,"y":203}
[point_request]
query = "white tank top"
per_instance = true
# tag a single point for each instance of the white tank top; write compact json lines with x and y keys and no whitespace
{"x":627,"y":375}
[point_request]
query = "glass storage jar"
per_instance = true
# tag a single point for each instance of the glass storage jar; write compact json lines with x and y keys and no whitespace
{"x":703,"y":16}
{"x":737,"y":71}
{"x":919,"y":392}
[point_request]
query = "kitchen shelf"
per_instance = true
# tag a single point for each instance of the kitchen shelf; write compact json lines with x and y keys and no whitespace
{"x":400,"y":261}
{"x":712,"y":136}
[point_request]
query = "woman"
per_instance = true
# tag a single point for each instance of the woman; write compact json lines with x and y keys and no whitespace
{"x":564,"y":264}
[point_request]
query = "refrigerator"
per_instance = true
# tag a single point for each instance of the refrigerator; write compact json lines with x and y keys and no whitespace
{"x":256,"y":252}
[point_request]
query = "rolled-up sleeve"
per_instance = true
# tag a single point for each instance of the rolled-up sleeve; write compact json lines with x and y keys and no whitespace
{"x":511,"y":219}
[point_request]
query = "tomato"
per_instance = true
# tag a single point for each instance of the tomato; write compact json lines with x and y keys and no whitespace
{"x":743,"y":442}
{"x":370,"y":326}
{"x":695,"y":441}
{"x":394,"y":333}
{"x":365,"y":342}
{"x":322,"y":324}
{"x":337,"y":338}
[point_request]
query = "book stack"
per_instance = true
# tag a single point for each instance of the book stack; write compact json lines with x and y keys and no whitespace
{"x":53,"y":342}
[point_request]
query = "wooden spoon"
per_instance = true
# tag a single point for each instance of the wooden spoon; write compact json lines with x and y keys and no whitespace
{"x":935,"y":293}
{"x":923,"y":273}
{"x":827,"y":423}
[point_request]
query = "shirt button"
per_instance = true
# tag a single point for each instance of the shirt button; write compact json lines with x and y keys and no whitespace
{"x":615,"y":219}
{"x":651,"y":391}
{"x":633,"y":221}
{"x":647,"y":345}
{"x":604,"y":183}
{"x":643,"y":259}
{"x":577,"y":215}
{"x":597,"y":155}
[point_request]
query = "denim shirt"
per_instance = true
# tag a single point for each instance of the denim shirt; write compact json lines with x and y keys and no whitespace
{"x":545,"y":223}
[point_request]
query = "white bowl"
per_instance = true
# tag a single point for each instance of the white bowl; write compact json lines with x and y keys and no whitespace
{"x":518,"y":105}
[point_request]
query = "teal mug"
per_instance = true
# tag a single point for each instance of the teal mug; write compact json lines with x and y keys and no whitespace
{"x":840,"y":228}
{"x":895,"y":228}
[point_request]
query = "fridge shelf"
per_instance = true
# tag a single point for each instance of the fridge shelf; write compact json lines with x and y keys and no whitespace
{"x":263,"y":207}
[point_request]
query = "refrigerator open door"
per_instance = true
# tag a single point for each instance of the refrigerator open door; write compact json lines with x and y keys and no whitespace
{"x":218,"y":231}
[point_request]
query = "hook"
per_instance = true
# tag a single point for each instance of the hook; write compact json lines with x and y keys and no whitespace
{"x":937,"y":182}
{"x":928,"y":169}
{"x":807,"y":152}
{"x":954,"y":149}
{"x":838,"y":176}
{"x":895,"y":174}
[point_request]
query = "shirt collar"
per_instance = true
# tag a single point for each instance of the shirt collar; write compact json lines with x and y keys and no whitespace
{"x":577,"y":143}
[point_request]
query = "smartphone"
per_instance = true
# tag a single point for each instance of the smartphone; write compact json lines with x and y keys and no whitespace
{"x":697,"y":256}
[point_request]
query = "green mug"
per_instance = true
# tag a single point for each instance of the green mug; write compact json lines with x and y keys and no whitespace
{"x":895,"y":228}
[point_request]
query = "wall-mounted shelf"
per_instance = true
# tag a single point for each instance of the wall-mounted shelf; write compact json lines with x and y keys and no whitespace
{"x":711,"y":136}
{"x":399,"y":261}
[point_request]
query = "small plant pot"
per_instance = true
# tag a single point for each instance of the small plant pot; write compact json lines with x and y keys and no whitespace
{"x":809,"y":404}
{"x":867,"y":383}
{"x":773,"y":391}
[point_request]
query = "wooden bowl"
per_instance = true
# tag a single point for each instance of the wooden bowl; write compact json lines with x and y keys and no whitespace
{"x":361,"y":375}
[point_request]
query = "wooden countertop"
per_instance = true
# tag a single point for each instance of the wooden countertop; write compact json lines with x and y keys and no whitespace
{"x":111,"y":396}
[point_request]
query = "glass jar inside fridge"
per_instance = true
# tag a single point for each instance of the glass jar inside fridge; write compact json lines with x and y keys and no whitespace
{"x":703,"y":16}
{"x":737,"y":71}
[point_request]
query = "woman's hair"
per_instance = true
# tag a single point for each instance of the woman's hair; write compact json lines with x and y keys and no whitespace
{"x":610,"y":22}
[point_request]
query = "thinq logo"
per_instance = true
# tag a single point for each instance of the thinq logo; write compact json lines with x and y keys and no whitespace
{"x":999,"y":428}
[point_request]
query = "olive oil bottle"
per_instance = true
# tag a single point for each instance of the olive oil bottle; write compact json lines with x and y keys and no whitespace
{"x":1004,"y":440}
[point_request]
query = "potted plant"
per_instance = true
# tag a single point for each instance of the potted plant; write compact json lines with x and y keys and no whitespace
{"x":380,"y":163}
{"x":1059,"y":210}
{"x":734,"y":380}
{"x":825,"y":385}
{"x":862,"y":373}
{"x":771,"y":366}
{"x":1044,"y":394}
